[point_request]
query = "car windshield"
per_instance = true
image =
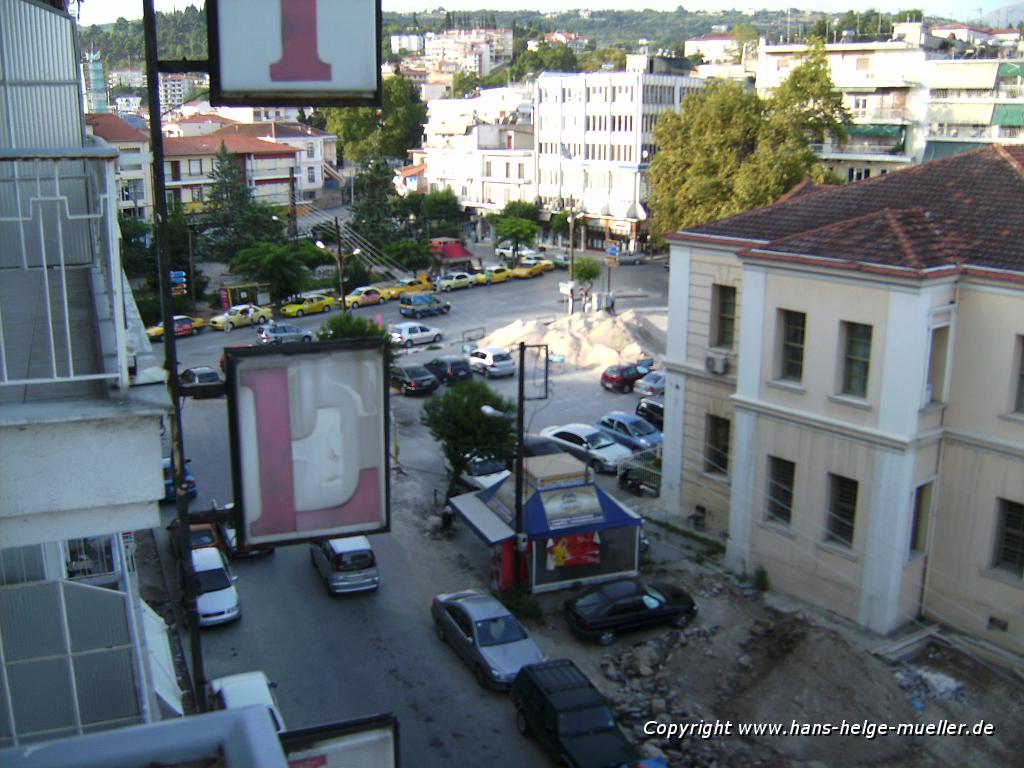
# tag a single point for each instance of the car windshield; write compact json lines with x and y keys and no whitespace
{"x":212,"y":581}
{"x":233,"y":311}
{"x":486,"y":467}
{"x":503,"y":358}
{"x":499,"y":631}
{"x":207,"y":377}
{"x":577,"y":722}
{"x":538,"y":446}
{"x":589,"y":605}
{"x":642,"y":428}
{"x":416,"y":371}
{"x":599,"y":440}
{"x":354,"y":561}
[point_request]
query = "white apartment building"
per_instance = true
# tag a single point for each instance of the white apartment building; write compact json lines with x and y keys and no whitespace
{"x":198,"y":124}
{"x":410,"y":43}
{"x":845,"y":394}
{"x":130,"y":78}
{"x":128,"y":104}
{"x":594,"y":144}
{"x":717,"y":48}
{"x":473,"y":50}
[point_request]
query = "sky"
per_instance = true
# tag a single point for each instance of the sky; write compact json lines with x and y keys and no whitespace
{"x":106,"y":11}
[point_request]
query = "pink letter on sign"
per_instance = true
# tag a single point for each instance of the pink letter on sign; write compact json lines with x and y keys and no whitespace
{"x":300,"y":59}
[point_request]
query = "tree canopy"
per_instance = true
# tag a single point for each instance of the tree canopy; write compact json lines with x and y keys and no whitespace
{"x":730,"y":150}
{"x":365,"y":132}
{"x":372,"y":215}
{"x":274,"y":263}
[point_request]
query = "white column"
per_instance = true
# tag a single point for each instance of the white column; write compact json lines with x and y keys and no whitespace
{"x":741,"y":495}
{"x":887,"y":514}
{"x":904,"y":360}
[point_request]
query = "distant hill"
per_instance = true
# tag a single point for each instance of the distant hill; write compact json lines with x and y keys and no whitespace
{"x":1007,"y":16}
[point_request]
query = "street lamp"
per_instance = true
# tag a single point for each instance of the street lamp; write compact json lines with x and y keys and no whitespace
{"x":339,"y":261}
{"x":573,"y":216}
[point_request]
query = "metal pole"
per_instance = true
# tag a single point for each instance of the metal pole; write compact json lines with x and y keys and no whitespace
{"x":341,"y":263}
{"x":191,"y":268}
{"x":520,"y":408}
{"x":572,"y":255}
{"x":170,"y":349}
{"x":293,"y":227}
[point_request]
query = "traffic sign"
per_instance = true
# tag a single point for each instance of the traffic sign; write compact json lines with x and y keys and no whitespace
{"x":612,"y":250}
{"x":177,"y":278}
{"x":178,"y":290}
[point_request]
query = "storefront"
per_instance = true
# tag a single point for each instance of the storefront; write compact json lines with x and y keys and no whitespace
{"x":572,"y":531}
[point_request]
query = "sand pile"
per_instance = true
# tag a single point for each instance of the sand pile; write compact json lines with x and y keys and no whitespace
{"x":585,"y":340}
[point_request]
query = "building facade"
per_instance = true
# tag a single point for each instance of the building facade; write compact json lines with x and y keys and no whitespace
{"x":134,"y":177}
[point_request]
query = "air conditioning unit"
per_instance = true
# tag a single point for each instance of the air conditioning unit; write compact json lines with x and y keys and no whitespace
{"x":716,"y":361}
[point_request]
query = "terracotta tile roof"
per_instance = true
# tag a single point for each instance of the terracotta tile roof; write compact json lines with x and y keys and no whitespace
{"x":110,"y":127}
{"x":209,"y":117}
{"x":412,"y":170}
{"x":274,"y":129}
{"x":237,"y":145}
{"x":965,"y":209}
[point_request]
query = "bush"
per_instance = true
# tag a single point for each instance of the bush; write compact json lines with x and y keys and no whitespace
{"x":761,"y":579}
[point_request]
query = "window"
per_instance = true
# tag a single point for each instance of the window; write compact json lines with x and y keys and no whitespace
{"x":919,"y":523}
{"x":310,"y":150}
{"x":780,"y":489}
{"x":21,"y":564}
{"x":1010,"y":545}
{"x":842,"y":508}
{"x":1019,"y":405}
{"x":723,"y":308}
{"x":793,"y":324}
{"x":311,"y":175}
{"x":716,"y":445}
{"x":935,"y":389}
{"x":857,"y":342}
{"x":862,"y":63}
{"x":195,"y":167}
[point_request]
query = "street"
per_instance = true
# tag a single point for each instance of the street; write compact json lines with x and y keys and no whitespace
{"x":335,"y":658}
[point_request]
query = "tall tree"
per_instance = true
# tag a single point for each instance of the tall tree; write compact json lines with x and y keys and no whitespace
{"x":276,"y":264}
{"x":519,"y":232}
{"x":391,"y":131}
{"x":372,"y":215}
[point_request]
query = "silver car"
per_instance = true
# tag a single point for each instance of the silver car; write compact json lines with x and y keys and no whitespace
{"x":491,"y":361}
{"x":485,"y":635}
{"x":651,"y":384}
{"x":283,"y":333}
{"x":590,"y":445}
{"x":407,"y":334}
{"x":345,"y":565}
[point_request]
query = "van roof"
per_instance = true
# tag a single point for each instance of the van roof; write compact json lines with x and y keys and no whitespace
{"x":207,"y":559}
{"x":350,"y":544}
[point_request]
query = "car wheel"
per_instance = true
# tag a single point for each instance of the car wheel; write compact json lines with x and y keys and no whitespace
{"x":681,"y":620}
{"x":437,"y":338}
{"x":228,"y":326}
{"x":299,"y":313}
{"x":439,"y":631}
{"x":606,"y":638}
{"x":327,"y":308}
{"x":262,"y":320}
{"x":481,"y":678}
{"x":408,"y":344}
{"x":306,"y":339}
{"x":521,"y":725}
{"x":627,"y":388}
{"x":447,"y":289}
{"x":382,"y":300}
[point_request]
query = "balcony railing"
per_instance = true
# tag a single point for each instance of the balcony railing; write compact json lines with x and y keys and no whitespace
{"x":62,"y":320}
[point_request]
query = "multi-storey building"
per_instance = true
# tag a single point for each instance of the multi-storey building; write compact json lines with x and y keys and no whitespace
{"x":134,"y":177}
{"x":198,"y":124}
{"x":175,"y":90}
{"x":127,"y":104}
{"x":80,"y":445}
{"x":94,"y":85}
{"x":408,"y":43}
{"x":846,"y":393}
{"x":719,"y":48}
{"x":474,"y":50}
{"x":128,"y":78}
{"x":266,"y":167}
{"x":594,"y":144}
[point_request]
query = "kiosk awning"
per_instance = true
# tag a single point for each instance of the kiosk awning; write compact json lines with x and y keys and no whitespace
{"x":488,"y":526}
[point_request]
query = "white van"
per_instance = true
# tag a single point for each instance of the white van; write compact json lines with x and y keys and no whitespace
{"x":217,"y":599}
{"x":244,"y":690}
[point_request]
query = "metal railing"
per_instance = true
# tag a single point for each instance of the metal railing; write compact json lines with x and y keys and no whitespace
{"x":641,"y":472}
{"x":62,"y":314}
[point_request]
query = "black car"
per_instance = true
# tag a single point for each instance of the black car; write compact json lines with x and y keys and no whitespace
{"x":559,"y":705}
{"x":539,"y":445}
{"x":413,"y":380}
{"x":652,"y":409}
{"x":449,"y":369}
{"x":201,"y":381}
{"x":601,"y":612}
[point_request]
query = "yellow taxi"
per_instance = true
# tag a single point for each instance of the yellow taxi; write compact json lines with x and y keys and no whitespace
{"x":497,"y":274}
{"x":241,"y":315}
{"x":363,"y":296}
{"x":184,"y":325}
{"x":310,"y":305}
{"x":396,"y":289}
{"x":546,"y":265}
{"x":526,"y":271}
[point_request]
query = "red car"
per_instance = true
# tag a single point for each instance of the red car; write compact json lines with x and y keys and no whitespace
{"x":621,"y":378}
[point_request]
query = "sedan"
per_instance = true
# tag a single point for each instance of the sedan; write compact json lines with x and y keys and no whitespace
{"x":621,"y":378}
{"x":241,"y":314}
{"x":546,"y":265}
{"x":601,"y":612}
{"x":363,"y":296}
{"x":449,"y":369}
{"x":184,"y":325}
{"x":526,"y":271}
{"x":630,"y":430}
{"x":309,"y":305}
{"x":454,"y":280}
{"x":283,"y":333}
{"x":590,"y":445}
{"x":401,"y":286}
{"x":407,"y":334}
{"x":497,"y":274}
{"x":201,"y":381}
{"x":485,"y":635}
{"x":651,"y":384}
{"x":413,"y":380}
{"x":539,"y":445}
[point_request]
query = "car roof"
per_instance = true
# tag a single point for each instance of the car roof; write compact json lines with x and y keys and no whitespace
{"x":579,"y":429}
{"x":630,"y":417}
{"x":653,"y":400}
{"x":207,"y":559}
{"x":448,"y":359}
{"x":202,"y":369}
{"x":478,"y":605}
{"x":350,"y":544}
{"x":492,"y":350}
{"x":243,"y":689}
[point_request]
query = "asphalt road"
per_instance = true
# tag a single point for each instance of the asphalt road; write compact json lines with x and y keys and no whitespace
{"x":336,"y":658}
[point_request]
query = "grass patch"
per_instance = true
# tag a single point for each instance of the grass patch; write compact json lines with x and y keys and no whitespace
{"x":712,"y":547}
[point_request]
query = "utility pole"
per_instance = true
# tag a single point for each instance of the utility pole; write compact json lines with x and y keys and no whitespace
{"x":293,"y":224}
{"x":191,"y":268}
{"x":341,"y":263}
{"x":520,"y":544}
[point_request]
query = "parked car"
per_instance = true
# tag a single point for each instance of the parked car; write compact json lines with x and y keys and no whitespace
{"x":345,"y":565}
{"x":559,"y":260}
{"x":590,"y":445}
{"x":561,"y":708}
{"x":622,"y":378}
{"x":201,"y":381}
{"x":630,"y":257}
{"x":235,"y":549}
{"x":526,"y":271}
{"x":309,"y":305}
{"x":241,"y":315}
{"x":413,"y":380}
{"x":603,"y":611}
{"x":546,"y":265}
{"x":479,"y":277}
{"x":652,"y":409}
{"x":492,"y":362}
{"x":283,"y":333}
{"x":422,"y":305}
{"x":190,"y":482}
{"x":651,"y":384}
{"x":485,"y":636}
{"x":497,"y":274}
{"x":630,"y":430}
{"x":184,"y":325}
{"x":199,"y":535}
{"x":453,"y":280}
{"x":363,"y":296}
{"x":407,"y":334}
{"x":505,"y":252}
{"x":400,"y":287}
{"x":245,"y":689}
{"x":217,"y":601}
{"x":449,"y":369}
{"x":483,"y":473}
{"x":540,"y":445}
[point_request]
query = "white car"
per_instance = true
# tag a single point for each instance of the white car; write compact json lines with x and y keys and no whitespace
{"x":483,"y":473}
{"x":407,"y":334}
{"x":505,"y":252}
{"x":491,"y":361}
{"x":217,"y":602}
{"x":245,"y":689}
{"x":590,"y":445}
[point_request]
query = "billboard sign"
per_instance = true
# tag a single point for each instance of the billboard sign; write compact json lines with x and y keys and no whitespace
{"x":309,"y":440}
{"x":294,"y":52}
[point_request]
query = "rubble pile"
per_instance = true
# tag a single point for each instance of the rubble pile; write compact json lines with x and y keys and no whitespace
{"x":922,"y":683}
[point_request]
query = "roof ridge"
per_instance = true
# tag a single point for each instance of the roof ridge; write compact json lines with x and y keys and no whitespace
{"x":901,"y":233}
{"x":1015,"y":164}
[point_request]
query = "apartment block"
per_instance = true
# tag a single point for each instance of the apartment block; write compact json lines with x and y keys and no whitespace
{"x":134,"y":175}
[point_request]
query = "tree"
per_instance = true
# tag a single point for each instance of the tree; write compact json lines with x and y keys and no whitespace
{"x":808,"y":97}
{"x":517,"y":231}
{"x":464,"y":83}
{"x":521,"y":210}
{"x":372,"y":215}
{"x":592,"y":61}
{"x":456,"y":421}
{"x":137,"y":255}
{"x":365,"y":132}
{"x":276,"y":264}
{"x":585,"y":270}
{"x":346,"y":325}
{"x":413,"y":255}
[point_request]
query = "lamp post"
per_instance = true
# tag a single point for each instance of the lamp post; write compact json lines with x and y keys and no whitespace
{"x":339,"y":261}
{"x":572,"y":243}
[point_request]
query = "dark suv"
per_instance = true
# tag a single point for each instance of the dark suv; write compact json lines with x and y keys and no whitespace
{"x":556,"y":702}
{"x":449,"y":369}
{"x":652,"y":409}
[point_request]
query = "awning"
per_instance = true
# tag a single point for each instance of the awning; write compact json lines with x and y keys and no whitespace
{"x":961,"y":73}
{"x":580,"y":509}
{"x":960,"y":114}
{"x":935,"y":150}
{"x":1011,"y":69}
{"x":481,"y":518}
{"x":1008,"y":114}
{"x":869,"y":129}
{"x":856,"y":89}
{"x":161,"y":663}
